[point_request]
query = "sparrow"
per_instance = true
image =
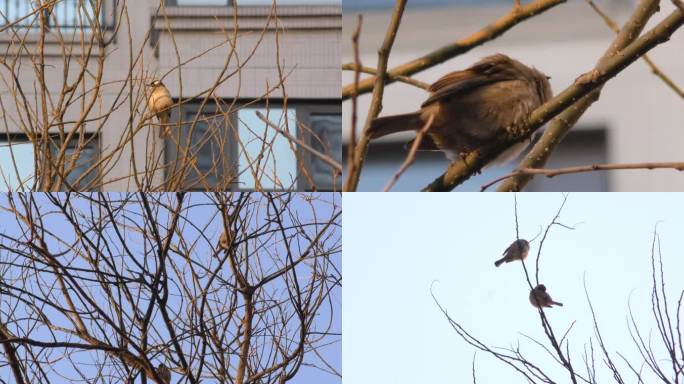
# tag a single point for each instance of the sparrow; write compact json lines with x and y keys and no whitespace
{"x":518,"y":250}
{"x":160,"y":103}
{"x":473,"y":108}
{"x":539,"y":298}
{"x":225,"y":240}
{"x":164,"y":373}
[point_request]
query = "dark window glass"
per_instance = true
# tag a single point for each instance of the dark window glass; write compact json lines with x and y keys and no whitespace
{"x":375,"y":4}
{"x":328,"y":140}
{"x":17,"y":164}
{"x":580,"y":147}
{"x":199,"y":2}
{"x":248,"y":2}
{"x":81,"y":177}
{"x":243,"y":153}
{"x":208,"y":146}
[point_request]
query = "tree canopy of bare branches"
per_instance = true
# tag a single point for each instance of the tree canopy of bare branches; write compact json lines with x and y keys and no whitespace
{"x":658,"y":353}
{"x":105,"y":288}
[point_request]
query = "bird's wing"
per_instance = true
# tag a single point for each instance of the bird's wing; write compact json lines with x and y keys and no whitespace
{"x":160,"y":99}
{"x":490,"y":70}
{"x":165,"y":99}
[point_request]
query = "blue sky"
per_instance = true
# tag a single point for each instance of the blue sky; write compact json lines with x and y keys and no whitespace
{"x":396,"y":245}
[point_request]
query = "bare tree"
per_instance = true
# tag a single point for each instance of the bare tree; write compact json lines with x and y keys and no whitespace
{"x":62,"y":95}
{"x":662,"y":356}
{"x":120,"y":287}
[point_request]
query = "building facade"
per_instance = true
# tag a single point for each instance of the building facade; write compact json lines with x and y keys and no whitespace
{"x":229,"y":68}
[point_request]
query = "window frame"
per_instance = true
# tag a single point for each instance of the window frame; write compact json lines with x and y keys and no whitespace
{"x":107,"y":22}
{"x":21,"y":138}
{"x":174,"y":3}
{"x":303,"y":108}
{"x":330,"y":107}
{"x":189,"y":110}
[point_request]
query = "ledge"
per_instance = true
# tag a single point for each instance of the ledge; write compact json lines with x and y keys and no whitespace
{"x":19,"y":45}
{"x":205,"y":18}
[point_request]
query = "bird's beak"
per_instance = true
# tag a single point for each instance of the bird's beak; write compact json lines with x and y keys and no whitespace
{"x":548,"y":77}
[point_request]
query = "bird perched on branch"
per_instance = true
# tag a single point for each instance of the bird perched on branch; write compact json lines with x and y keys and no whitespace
{"x":160,"y":103}
{"x":539,"y":298}
{"x":164,"y":373}
{"x":226,"y":239}
{"x":474,"y":107}
{"x":518,"y":250}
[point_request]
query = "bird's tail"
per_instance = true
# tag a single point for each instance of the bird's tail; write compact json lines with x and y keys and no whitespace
{"x":164,"y":129}
{"x":398,"y":123}
{"x":557,"y":303}
{"x":499,"y":262}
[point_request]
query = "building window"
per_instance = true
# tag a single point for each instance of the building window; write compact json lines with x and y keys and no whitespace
{"x":82,"y":174}
{"x":197,"y":2}
{"x":267,"y":159}
{"x":207,"y":148}
{"x":239,"y":151}
{"x":17,"y":164}
{"x":68,"y":14}
{"x":325,"y":136}
{"x":249,"y":2}
{"x":580,"y":147}
{"x":376,"y":4}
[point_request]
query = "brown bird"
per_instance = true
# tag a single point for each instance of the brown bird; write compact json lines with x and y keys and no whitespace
{"x":225,"y":240}
{"x":160,"y":103}
{"x":518,"y":250}
{"x":474,"y":107}
{"x":539,"y":298}
{"x":164,"y":373}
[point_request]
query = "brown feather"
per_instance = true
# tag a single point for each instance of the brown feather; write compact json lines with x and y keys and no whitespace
{"x":474,"y":107}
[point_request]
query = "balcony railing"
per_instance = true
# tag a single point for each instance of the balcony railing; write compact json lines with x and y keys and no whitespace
{"x":67,"y":14}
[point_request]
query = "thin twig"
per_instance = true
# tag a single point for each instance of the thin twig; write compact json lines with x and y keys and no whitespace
{"x":354,"y":167}
{"x":357,"y":78}
{"x":411,"y":157}
{"x":402,"y":79}
{"x":327,"y":159}
{"x":449,"y":51}
{"x":679,"y":5}
{"x":656,"y":71}
{"x":607,"y":68}
{"x":548,"y":172}
{"x":561,"y":125}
